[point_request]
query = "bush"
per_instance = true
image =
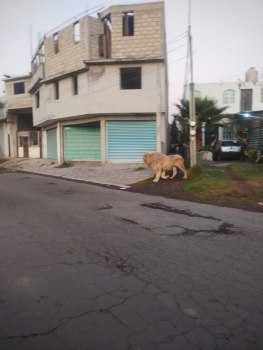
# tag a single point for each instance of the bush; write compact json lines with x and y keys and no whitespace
{"x":195,"y":172}
{"x":252,"y":154}
{"x":206,"y":148}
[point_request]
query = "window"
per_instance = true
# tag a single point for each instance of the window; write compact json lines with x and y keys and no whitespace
{"x":34,"y":140}
{"x":75,"y":85}
{"x":198,"y":94}
{"x":37,"y":99}
{"x":56,"y":87}
{"x":229,"y":96}
{"x":228,"y":134}
{"x":76,"y":32}
{"x":128,"y":23}
{"x":230,"y":143}
{"x":19,"y":88}
{"x":131,"y":78}
{"x":56,"y":43}
{"x":261,"y":95}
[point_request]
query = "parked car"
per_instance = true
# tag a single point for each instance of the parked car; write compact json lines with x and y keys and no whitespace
{"x":228,"y":149}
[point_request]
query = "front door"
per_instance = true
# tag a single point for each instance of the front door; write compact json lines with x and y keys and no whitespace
{"x":23,"y":147}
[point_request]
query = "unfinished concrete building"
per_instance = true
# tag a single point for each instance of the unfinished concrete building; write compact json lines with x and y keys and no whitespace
{"x":99,"y":86}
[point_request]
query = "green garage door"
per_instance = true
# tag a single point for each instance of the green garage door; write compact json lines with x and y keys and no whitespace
{"x":52,"y":148}
{"x":82,"y":143}
{"x":129,"y":140}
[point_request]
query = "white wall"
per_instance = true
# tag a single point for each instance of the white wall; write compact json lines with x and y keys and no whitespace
{"x":99,"y":92}
{"x":216,"y":90}
{"x":34,"y":152}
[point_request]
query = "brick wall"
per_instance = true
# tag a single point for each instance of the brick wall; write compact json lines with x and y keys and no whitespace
{"x":95,"y":28}
{"x":70,"y":55}
{"x":148,"y":33}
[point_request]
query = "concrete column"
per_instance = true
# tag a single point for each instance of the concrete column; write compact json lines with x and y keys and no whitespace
{"x":220,"y":133}
{"x":44,"y":144}
{"x":60,"y":143}
{"x":103,"y":140}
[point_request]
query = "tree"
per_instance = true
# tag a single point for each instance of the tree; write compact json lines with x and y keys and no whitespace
{"x":206,"y":112}
{"x":174,"y":132}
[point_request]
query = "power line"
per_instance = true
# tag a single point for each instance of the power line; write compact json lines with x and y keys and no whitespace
{"x":110,"y":75}
{"x":109,"y":87}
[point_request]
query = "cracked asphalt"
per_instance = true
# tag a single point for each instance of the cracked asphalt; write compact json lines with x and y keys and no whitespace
{"x":84,"y":267}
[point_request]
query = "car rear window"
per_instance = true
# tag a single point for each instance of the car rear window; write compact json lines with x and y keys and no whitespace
{"x":230,"y":143}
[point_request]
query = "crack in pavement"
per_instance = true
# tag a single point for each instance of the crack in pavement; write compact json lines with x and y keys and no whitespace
{"x":169,"y":209}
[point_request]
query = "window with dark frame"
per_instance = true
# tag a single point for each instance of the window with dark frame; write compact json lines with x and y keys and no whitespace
{"x":75,"y":85}
{"x":128,"y":23}
{"x":131,"y":78}
{"x":37,"y":99}
{"x":77,"y":32}
{"x":56,"y":86}
{"x":19,"y":88}
{"x":56,"y":42}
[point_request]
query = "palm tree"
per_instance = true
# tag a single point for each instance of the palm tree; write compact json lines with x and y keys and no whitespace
{"x":206,"y":112}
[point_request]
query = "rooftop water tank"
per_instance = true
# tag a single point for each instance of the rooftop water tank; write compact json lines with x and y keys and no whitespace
{"x":252,"y":75}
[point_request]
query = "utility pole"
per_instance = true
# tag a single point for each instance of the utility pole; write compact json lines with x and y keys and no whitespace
{"x":192,"y":105}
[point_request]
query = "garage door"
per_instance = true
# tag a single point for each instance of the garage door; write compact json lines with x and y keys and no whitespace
{"x":82,"y":143}
{"x":52,"y":148}
{"x":1,"y":140}
{"x":129,"y":140}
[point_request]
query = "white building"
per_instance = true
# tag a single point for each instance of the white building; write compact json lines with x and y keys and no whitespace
{"x":18,"y":136}
{"x":240,"y":96}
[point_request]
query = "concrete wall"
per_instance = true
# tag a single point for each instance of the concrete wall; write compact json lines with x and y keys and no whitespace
{"x":99,"y":92}
{"x":10,"y":129}
{"x":17,"y":101}
{"x":39,"y":73}
{"x":71,"y":54}
{"x":216,"y":90}
{"x":148,"y":31}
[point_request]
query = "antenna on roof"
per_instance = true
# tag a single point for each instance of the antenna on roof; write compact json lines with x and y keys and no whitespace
{"x":30,"y":41}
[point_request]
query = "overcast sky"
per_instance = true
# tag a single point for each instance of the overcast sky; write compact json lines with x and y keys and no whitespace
{"x":227,"y":36}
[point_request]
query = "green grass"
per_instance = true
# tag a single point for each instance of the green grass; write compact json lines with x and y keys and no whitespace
{"x":211,"y":178}
{"x":237,"y":184}
{"x":65,"y":164}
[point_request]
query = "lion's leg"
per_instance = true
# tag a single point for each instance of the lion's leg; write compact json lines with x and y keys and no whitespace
{"x":158,"y":175}
{"x":163,"y":176}
{"x":182,"y":167}
{"x":174,"y":172}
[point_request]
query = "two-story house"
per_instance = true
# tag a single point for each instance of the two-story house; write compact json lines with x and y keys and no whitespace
{"x":18,"y":136}
{"x":99,"y":86}
{"x":244,"y":100}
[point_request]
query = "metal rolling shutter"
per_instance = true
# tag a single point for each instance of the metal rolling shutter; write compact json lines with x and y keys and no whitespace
{"x":52,"y":148}
{"x":129,"y":140}
{"x":82,"y":143}
{"x":255,"y":134}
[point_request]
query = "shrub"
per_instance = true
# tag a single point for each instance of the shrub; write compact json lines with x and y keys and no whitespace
{"x":195,"y":172}
{"x":252,"y":154}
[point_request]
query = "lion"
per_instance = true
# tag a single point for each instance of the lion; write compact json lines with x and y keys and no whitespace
{"x":161,"y":163}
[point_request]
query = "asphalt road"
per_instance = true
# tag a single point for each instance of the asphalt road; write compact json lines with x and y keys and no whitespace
{"x":86,"y":267}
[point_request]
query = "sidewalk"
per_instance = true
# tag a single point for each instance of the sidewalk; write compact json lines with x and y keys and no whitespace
{"x":121,"y":175}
